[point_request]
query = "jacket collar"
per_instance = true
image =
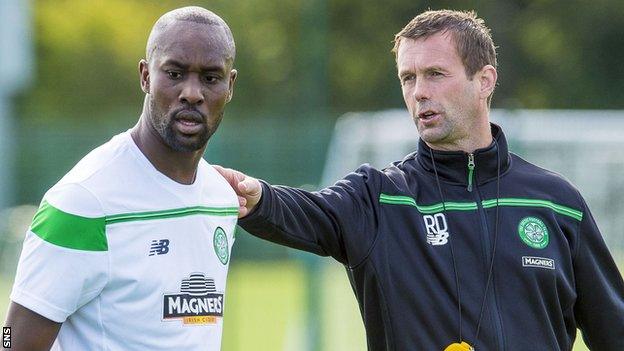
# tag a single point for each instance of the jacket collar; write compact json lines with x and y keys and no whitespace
{"x":452,"y":166}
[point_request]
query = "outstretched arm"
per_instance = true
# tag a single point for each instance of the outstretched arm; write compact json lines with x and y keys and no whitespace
{"x":29,"y":330}
{"x":338,"y":221}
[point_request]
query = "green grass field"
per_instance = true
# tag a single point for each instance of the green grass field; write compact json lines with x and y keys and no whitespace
{"x":265,"y":309}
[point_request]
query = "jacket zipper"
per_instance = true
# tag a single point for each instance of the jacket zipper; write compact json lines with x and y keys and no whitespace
{"x":471,"y":167}
{"x":493,"y":305}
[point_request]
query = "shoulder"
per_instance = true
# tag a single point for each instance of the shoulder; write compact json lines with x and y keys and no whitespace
{"x":364,"y":176}
{"x":397,"y":175}
{"x":546,"y":181}
{"x":402,"y":167}
{"x":71,"y":213}
{"x":75,"y":193}
{"x":402,"y":173}
{"x":396,"y":169}
{"x":542,"y":175}
{"x":107,"y":159}
{"x":71,"y":216}
{"x":73,"y":198}
{"x":215,"y":185}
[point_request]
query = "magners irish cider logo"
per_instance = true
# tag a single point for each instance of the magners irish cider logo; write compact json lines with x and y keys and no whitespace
{"x":198,"y":301}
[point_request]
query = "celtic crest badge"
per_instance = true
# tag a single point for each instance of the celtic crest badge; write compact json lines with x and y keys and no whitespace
{"x":533,"y":232}
{"x":220,"y":243}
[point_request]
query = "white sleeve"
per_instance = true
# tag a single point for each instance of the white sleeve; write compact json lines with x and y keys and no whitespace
{"x":64,"y":260}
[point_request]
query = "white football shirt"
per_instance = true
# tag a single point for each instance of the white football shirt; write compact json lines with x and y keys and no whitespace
{"x":128,"y":259}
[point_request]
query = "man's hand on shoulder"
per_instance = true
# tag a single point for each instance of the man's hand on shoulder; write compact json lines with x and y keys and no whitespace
{"x":248,"y":189}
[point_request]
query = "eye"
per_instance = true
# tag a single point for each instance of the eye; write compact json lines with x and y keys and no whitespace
{"x":436,"y":74}
{"x":211,"y":79}
{"x":174,"y":74}
{"x":407,"y":78}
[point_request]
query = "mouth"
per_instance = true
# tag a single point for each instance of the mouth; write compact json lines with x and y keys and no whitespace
{"x":189,"y":121}
{"x":427,"y":115}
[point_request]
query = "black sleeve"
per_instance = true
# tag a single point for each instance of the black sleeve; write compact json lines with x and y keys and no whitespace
{"x":338,"y":221}
{"x":599,"y":308}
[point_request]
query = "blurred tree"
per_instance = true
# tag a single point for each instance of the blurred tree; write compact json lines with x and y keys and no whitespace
{"x":87,"y":55}
{"x":566,"y":55}
{"x":552,"y":54}
{"x":301,"y":64}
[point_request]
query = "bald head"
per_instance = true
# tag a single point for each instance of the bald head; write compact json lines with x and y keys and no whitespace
{"x":194,"y":15}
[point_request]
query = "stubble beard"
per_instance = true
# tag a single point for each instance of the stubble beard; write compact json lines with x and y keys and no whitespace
{"x":434,"y":134}
{"x":453,"y":129}
{"x":439,"y":132}
{"x":163,"y":124}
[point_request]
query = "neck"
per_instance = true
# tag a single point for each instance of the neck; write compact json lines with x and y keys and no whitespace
{"x":453,"y":165}
{"x":180,"y":166}
{"x":466,"y":145}
{"x":478,"y":136}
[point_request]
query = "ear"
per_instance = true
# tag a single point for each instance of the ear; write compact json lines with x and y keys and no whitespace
{"x":487,"y":77}
{"x":144,"y":76}
{"x":233,"y":75}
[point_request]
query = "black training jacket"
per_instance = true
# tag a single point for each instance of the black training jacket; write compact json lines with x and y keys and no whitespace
{"x":420,"y":238}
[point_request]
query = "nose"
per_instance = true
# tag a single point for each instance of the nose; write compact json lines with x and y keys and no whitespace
{"x":421,"y":90}
{"x":192,"y":93}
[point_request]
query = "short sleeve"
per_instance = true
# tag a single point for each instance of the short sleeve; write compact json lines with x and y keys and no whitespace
{"x":64,"y":259}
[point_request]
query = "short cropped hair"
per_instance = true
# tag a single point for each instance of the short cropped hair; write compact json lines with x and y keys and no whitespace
{"x":472,"y":38}
{"x":194,"y":14}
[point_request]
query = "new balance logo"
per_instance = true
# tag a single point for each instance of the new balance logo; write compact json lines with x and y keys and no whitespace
{"x":159,"y":247}
{"x":437,"y":229}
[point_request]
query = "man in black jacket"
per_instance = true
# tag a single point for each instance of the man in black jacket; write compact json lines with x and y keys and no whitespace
{"x":460,"y":244}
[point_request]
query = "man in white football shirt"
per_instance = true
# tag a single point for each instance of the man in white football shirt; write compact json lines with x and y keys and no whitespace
{"x":130,"y":249}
